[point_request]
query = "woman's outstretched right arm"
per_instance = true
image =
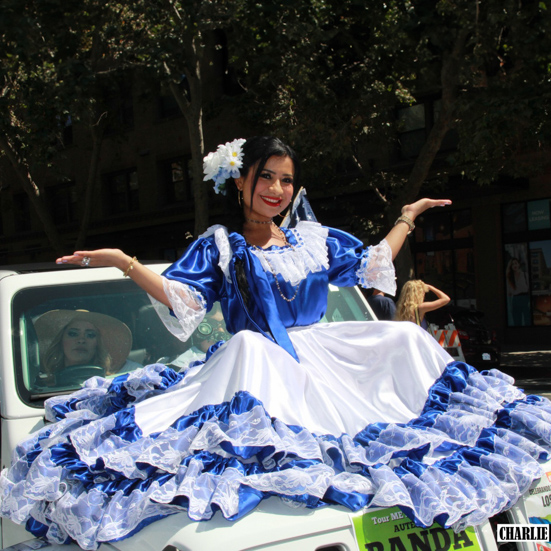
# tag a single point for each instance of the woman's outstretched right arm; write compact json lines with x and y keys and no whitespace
{"x":148,"y":280}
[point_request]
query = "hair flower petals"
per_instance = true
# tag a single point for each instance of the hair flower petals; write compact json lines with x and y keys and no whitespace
{"x":224,"y":163}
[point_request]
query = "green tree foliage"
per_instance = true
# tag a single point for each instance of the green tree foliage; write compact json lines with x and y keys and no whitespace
{"x":57,"y":66}
{"x":174,"y":42}
{"x":68,"y":58}
{"x":325,"y":75}
{"x":329,"y":75}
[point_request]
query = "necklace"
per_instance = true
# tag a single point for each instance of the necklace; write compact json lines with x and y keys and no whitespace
{"x":286,"y":244}
{"x":270,"y":221}
{"x":283,"y":237}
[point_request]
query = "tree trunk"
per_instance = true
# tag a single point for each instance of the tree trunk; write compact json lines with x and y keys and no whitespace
{"x":33,"y":191}
{"x":192,"y":109}
{"x":200,"y":188}
{"x":193,"y":113}
{"x":433,"y":143}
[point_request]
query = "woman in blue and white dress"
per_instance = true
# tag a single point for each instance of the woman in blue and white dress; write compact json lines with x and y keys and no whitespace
{"x":349,"y":413}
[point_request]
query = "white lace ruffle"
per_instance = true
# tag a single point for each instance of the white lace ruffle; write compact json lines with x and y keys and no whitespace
{"x":222,"y":241}
{"x":187,"y":304}
{"x":377,"y":270}
{"x":184,"y":480}
{"x":308,"y":256}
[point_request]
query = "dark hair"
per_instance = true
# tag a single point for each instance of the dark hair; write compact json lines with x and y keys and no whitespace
{"x":257,"y":149}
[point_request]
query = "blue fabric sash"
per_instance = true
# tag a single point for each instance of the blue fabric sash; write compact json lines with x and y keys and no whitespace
{"x":261,"y":289}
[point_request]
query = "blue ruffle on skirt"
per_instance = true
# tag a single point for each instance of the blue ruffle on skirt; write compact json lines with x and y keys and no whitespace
{"x":94,"y":477}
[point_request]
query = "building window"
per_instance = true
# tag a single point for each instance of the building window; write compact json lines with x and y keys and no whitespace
{"x":123,"y":191}
{"x":177,"y":179}
{"x":415,"y":123}
{"x":62,"y":200}
{"x":119,"y":105}
{"x":444,"y":254}
{"x":21,"y":212}
{"x":412,"y":122}
{"x":527,"y":262}
{"x":168,"y":107}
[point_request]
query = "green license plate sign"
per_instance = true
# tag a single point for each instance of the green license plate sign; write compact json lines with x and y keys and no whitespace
{"x":391,"y":530}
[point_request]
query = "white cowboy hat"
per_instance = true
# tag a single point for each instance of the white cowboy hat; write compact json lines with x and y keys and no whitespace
{"x":115,"y":335}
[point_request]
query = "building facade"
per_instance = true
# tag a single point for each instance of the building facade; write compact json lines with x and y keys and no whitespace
{"x":491,"y":250}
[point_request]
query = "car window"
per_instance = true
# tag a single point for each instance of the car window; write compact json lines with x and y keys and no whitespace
{"x":134,"y":336}
{"x":347,"y":304}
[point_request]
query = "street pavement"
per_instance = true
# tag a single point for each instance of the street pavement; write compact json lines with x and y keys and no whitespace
{"x":530,"y":368}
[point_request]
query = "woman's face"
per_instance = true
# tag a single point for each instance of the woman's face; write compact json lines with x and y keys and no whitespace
{"x":80,"y":342}
{"x":274,"y":189}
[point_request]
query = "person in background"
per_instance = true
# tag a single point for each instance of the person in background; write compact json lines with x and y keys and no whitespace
{"x":518,"y":293}
{"x":383,"y":307}
{"x":412,"y":305}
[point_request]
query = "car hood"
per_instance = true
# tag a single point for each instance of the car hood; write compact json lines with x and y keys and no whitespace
{"x":271,"y":523}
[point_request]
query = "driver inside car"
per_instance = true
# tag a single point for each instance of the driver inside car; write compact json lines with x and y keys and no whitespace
{"x":78,"y":344}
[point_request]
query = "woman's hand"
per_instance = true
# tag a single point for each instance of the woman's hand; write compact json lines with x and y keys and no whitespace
{"x":101,"y":257}
{"x":148,"y":280}
{"x":417,"y":208}
{"x":397,"y":235}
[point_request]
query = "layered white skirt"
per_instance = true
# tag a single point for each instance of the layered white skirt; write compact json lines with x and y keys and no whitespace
{"x":375,"y":414}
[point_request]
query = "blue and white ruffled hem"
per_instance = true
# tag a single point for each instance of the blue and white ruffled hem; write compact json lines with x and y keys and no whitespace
{"x":94,"y":477}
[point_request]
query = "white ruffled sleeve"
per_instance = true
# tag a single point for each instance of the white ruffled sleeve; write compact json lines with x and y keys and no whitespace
{"x":194,"y":282}
{"x":353,"y":264}
{"x":188,"y":305}
{"x":376,"y":269}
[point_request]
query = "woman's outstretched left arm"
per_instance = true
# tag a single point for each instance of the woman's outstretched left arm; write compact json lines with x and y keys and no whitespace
{"x":397,"y":235}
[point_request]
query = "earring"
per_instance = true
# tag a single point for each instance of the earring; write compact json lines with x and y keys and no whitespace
{"x":281,"y":215}
{"x":239,"y":194}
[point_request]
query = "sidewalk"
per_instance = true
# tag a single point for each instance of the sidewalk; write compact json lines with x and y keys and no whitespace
{"x":528,"y":357}
{"x":530,"y":366}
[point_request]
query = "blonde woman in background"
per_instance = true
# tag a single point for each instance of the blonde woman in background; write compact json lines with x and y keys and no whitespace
{"x":412,"y":305}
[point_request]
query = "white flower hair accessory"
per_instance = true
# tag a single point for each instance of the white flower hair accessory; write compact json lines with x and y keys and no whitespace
{"x":224,"y":163}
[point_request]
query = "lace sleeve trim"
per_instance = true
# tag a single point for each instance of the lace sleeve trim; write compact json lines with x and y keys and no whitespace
{"x":187,"y":304}
{"x":221,"y":238}
{"x":377,"y":270}
{"x":309,"y":255}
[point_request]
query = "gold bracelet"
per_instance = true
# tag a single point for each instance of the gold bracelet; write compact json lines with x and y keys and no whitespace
{"x":130,"y":267}
{"x":407,"y":221}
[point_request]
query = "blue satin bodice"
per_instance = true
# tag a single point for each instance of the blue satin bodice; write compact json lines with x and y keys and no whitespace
{"x":266,"y":310}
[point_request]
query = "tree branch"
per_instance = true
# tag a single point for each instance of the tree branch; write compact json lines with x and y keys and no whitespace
{"x":449,"y":81}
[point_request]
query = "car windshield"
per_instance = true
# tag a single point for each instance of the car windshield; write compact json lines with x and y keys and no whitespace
{"x":65,"y":334}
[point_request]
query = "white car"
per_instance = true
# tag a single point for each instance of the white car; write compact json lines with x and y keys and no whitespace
{"x":272,"y":525}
